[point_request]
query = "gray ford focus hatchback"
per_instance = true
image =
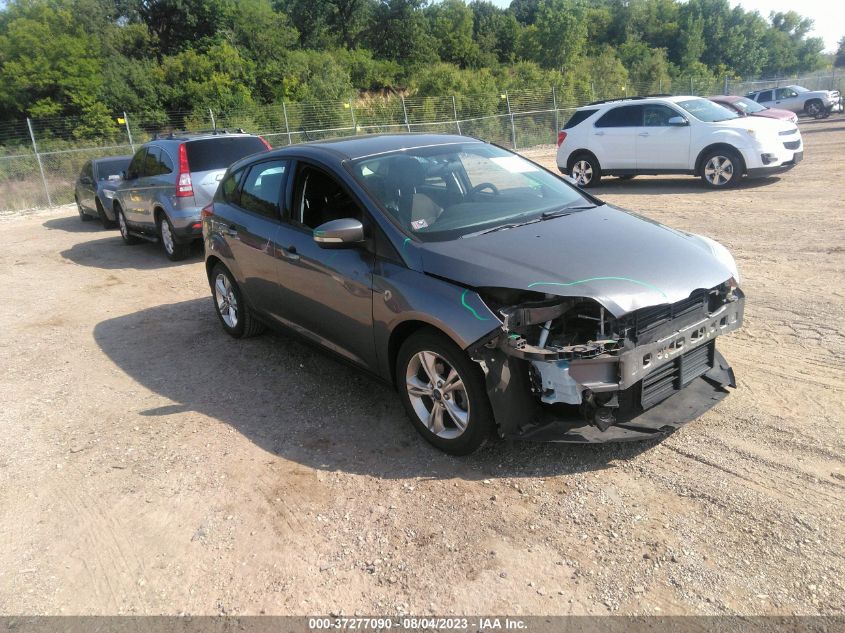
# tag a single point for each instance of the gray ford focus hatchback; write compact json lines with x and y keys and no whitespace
{"x":498,"y":298}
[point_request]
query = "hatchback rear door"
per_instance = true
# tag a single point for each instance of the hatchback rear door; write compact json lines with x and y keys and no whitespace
{"x":209,"y":158}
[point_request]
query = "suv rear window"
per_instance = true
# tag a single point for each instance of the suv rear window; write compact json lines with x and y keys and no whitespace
{"x":576,"y":118}
{"x":219,"y":153}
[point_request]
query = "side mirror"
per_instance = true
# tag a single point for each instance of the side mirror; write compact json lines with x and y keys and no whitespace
{"x":339,"y":233}
{"x":84,"y":180}
{"x":570,"y":180}
{"x":678,"y":121}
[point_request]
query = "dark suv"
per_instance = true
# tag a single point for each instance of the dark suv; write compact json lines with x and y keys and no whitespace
{"x":168,"y":182}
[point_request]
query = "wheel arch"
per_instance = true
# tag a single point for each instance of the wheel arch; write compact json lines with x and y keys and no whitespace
{"x":580,"y":152}
{"x":720,"y":146}
{"x":403,"y":331}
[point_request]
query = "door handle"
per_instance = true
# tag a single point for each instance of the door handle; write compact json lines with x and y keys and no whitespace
{"x":643,"y":133}
{"x":599,"y":133}
{"x":290,"y":253}
{"x":232,"y":230}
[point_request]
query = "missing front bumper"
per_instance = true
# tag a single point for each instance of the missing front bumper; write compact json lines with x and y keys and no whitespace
{"x":556,"y":424}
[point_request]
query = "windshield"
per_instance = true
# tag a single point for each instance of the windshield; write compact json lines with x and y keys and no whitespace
{"x":112,"y":169}
{"x":748,"y":106}
{"x":448,"y":191}
{"x":799,"y":89}
{"x":707,"y":111}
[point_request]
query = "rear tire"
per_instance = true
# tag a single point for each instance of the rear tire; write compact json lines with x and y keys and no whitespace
{"x":721,"y":169}
{"x":584,"y":168}
{"x":174,"y":250}
{"x":443,"y":392}
{"x":125,"y":235}
{"x":236,"y":317}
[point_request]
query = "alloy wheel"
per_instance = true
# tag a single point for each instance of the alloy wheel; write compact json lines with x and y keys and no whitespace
{"x":227,"y":303}
{"x":167,"y":237}
{"x":582,"y":172}
{"x":437,"y":394}
{"x":719,"y":171}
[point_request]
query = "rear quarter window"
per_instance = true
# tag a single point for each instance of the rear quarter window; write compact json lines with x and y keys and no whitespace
{"x":219,"y":153}
{"x":578,"y":117}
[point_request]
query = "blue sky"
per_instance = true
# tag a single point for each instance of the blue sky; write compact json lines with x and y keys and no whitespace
{"x":829,"y":15}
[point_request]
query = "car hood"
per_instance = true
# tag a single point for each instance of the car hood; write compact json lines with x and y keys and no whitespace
{"x":776,"y":113}
{"x":620,"y":259}
{"x":764,"y":125}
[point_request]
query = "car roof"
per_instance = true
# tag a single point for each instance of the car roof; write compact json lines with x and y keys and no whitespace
{"x":729,"y":98}
{"x":196,"y":136}
{"x":354,"y":147}
{"x":104,"y":159}
{"x":638,"y":101}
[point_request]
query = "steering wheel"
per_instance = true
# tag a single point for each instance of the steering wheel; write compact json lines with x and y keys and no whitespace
{"x":482,"y":186}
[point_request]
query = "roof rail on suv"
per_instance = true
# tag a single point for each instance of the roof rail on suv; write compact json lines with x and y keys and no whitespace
{"x":181,"y":133}
{"x":632,"y":98}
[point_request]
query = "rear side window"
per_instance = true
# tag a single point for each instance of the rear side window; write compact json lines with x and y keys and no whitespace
{"x":623,"y":116}
{"x":579,"y":116}
{"x":766,"y":95}
{"x":262,"y":188}
{"x":219,"y":153}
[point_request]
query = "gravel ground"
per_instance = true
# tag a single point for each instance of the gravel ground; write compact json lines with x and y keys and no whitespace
{"x":152,"y":465}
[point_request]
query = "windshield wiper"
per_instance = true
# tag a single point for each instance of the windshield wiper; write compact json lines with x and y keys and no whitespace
{"x":501,"y":227}
{"x":559,"y":213}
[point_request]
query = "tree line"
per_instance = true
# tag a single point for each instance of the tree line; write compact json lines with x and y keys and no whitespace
{"x":92,"y":59}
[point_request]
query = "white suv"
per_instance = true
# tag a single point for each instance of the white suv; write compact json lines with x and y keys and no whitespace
{"x":674,"y":135}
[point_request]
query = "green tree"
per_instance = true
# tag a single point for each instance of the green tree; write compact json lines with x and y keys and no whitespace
{"x":184,"y":24}
{"x":558,"y":37}
{"x":451,"y":26}
{"x":839,"y":60}
{"x":399,"y":32}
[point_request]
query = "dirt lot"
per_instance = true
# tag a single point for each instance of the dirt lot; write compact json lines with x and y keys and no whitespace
{"x":152,"y":465}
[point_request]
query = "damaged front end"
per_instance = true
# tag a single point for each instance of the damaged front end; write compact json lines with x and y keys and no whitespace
{"x":566,"y":369}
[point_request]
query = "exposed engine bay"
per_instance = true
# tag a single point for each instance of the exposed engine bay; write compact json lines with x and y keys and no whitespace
{"x":572,"y":353}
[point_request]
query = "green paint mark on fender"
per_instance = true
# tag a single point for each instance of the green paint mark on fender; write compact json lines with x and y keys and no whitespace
{"x":470,"y":308}
{"x":584,"y":281}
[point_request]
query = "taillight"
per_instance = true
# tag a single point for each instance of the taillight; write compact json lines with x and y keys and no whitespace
{"x":266,"y":144}
{"x":184,"y":186}
{"x":561,"y":137}
{"x":207,"y":210}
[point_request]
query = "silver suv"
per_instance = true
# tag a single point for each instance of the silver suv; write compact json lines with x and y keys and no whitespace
{"x":170,"y":180}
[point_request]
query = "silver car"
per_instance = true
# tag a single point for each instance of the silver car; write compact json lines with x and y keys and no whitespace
{"x":800,"y":100}
{"x":170,"y":180}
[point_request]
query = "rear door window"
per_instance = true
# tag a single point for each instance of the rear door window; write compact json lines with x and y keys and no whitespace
{"x":262,"y":188}
{"x":218,"y":153}
{"x":623,"y":116}
{"x":766,"y":95}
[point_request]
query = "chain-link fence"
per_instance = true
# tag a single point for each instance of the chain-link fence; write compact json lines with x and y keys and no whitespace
{"x":40,"y":159}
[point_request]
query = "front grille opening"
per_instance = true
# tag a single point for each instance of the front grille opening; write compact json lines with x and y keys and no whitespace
{"x":674,"y":376}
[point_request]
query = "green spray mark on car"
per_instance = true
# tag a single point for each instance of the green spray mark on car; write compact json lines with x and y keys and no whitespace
{"x":584,"y":281}
{"x":470,"y":308}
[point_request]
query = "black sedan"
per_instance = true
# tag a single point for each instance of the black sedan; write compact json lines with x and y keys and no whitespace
{"x":495,"y":296}
{"x":95,"y":187}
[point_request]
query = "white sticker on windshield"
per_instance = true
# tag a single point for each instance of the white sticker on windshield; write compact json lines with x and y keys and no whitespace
{"x":514,"y":164}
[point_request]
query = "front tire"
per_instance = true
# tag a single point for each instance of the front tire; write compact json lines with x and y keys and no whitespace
{"x":814,"y":108}
{"x":585,"y":170}
{"x":101,"y":212}
{"x":84,"y":217}
{"x":443,"y":393}
{"x":236,"y":317}
{"x":174,"y":250}
{"x":721,"y":169}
